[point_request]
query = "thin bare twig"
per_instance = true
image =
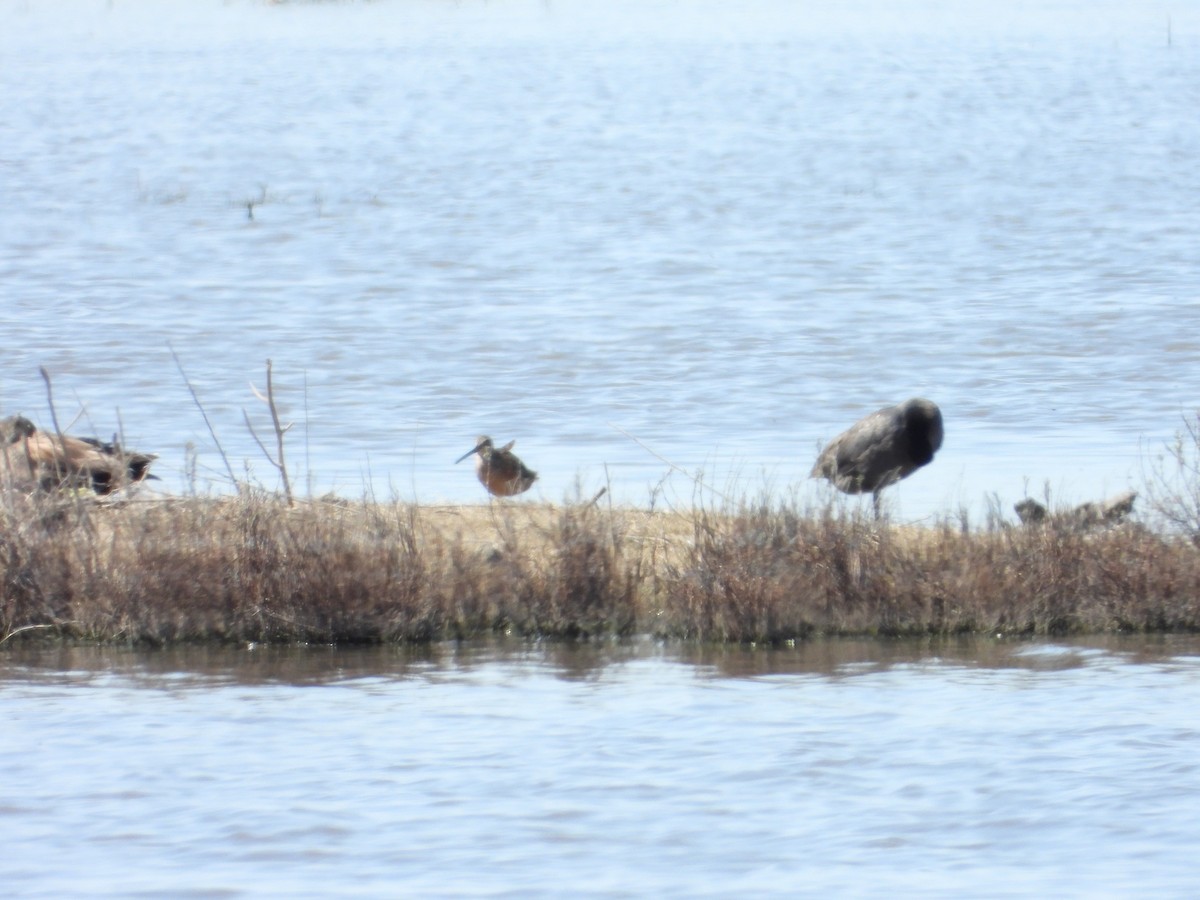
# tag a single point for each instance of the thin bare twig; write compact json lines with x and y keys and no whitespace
{"x":17,"y":631}
{"x":307,"y":433}
{"x":64,"y":471}
{"x":695,"y":478}
{"x":204,"y":415}
{"x":279,"y":462}
{"x":1173,"y":483}
{"x":50,"y":401}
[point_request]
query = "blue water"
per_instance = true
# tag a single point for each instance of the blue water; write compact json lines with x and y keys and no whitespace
{"x":847,"y":769}
{"x":647,"y":242}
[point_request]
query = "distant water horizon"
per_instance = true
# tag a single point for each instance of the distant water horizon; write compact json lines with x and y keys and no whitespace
{"x":645,"y":243}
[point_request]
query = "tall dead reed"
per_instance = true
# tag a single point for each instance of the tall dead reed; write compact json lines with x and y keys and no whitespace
{"x":1173,"y":481}
{"x":252,"y":568}
{"x":777,"y":574}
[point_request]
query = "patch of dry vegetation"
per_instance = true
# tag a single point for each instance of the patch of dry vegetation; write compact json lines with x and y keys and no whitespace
{"x":255,"y":568}
{"x":774,"y":575}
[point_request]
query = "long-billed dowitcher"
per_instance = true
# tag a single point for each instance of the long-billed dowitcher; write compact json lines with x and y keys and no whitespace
{"x":31,"y":457}
{"x":499,"y":470}
{"x":882,"y":448}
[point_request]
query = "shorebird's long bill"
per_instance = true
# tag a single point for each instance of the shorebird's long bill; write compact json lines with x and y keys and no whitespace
{"x":470,"y":452}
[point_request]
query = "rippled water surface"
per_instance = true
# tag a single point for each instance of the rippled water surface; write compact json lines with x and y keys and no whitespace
{"x":631,"y":236}
{"x":723,"y":233}
{"x":987,"y":769}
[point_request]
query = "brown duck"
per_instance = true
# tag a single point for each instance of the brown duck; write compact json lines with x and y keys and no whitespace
{"x":30,"y":457}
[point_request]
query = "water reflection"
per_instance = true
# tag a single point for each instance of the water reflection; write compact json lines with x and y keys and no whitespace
{"x":844,"y":657}
{"x":204,"y":666}
{"x":913,"y":767}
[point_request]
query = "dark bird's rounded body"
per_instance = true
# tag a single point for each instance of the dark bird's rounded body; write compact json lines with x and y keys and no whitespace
{"x":879,"y":450}
{"x":499,"y":470}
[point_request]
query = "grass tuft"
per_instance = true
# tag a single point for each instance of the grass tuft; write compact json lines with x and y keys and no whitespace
{"x":255,"y":569}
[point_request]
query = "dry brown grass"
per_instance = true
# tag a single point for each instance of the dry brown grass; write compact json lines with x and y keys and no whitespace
{"x":773,"y":575}
{"x":256,"y":569}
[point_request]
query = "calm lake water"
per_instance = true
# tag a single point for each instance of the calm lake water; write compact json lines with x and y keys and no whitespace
{"x":725,"y":231}
{"x":623,"y":234}
{"x":837,"y":769}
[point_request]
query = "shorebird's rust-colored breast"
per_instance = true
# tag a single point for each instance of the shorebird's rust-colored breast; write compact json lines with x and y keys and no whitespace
{"x":498,"y":469}
{"x":503,"y":474}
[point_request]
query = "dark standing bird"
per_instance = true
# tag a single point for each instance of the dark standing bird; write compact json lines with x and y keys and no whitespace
{"x":31,"y":457}
{"x":500,"y":471}
{"x":882,"y":448}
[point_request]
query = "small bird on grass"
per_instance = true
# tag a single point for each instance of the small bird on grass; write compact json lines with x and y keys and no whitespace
{"x":499,"y":470}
